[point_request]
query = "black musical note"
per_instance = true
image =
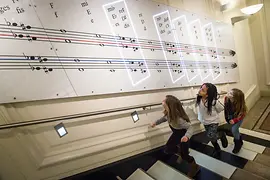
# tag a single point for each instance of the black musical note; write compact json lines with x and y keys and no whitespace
{"x":232,"y":53}
{"x":67,"y":40}
{"x":234,"y":65}
{"x":109,"y":62}
{"x":112,"y":70}
{"x":77,"y":60}
{"x":14,"y":34}
{"x":143,"y":71}
{"x":20,"y":36}
{"x":135,"y":48}
{"x":81,"y":69}
{"x":132,"y":40}
{"x":101,"y":45}
{"x":47,"y":70}
{"x":42,"y":60}
{"x":140,"y":63}
{"x":98,"y":35}
{"x":157,"y":64}
{"x":152,"y":49}
{"x":159,"y":70}
{"x":63,"y":31}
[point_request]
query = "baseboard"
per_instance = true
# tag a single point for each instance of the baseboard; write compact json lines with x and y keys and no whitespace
{"x":265,"y":93}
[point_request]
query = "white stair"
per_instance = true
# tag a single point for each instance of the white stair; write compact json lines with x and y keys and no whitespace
{"x":161,"y":171}
{"x":248,"y":151}
{"x":212,"y":164}
{"x":139,"y":174}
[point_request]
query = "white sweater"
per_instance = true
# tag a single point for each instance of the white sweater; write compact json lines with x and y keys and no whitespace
{"x":205,"y":117}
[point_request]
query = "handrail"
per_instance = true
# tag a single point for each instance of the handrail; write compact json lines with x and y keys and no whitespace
{"x":82,"y":115}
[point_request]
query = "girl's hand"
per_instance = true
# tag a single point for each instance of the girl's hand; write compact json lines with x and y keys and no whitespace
{"x":231,"y":122}
{"x":184,"y":139}
{"x":153,"y":125}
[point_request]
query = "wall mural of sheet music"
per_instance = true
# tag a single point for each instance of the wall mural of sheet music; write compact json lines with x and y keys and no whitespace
{"x":67,"y":48}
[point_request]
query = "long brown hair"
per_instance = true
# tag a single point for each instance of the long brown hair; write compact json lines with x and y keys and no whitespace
{"x":176,"y":109}
{"x":239,"y":101}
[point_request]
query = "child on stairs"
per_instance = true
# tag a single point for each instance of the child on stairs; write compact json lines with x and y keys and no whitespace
{"x":182,"y":131}
{"x":208,"y":108}
{"x":235,"y":111}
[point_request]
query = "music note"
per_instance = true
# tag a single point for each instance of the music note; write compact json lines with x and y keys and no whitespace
{"x":132,"y":40}
{"x":81,"y":69}
{"x":135,"y":48}
{"x":76,"y":60}
{"x":124,"y":46}
{"x":109,"y":62}
{"x":152,"y":49}
{"x":23,"y":27}
{"x":67,"y":40}
{"x":143,"y":71}
{"x":63,"y":31}
{"x":159,"y":70}
{"x":98,"y":35}
{"x":42,"y":60}
{"x":14,"y":34}
{"x":47,"y":70}
{"x":112,"y":70}
{"x":157,"y":64}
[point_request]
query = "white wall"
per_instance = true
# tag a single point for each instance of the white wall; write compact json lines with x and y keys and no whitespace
{"x":38,"y":153}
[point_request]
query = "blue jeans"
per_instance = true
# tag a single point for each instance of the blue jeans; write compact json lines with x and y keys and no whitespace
{"x":235,"y":129}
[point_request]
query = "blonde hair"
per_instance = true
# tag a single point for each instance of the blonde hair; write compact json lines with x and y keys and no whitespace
{"x":176,"y":109}
{"x":239,"y":101}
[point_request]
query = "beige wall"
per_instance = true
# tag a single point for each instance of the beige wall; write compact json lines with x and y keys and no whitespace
{"x":38,"y":153}
{"x":259,"y":29}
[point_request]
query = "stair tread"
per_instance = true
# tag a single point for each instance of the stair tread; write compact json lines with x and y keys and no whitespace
{"x":213,"y":164}
{"x":162,"y":171}
{"x":249,"y":145}
{"x":266,"y":151}
{"x":139,"y":174}
{"x":244,"y":153}
{"x":242,"y":174}
{"x":258,"y":169}
{"x":263,"y":159}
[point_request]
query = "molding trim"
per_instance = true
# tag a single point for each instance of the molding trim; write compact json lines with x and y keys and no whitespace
{"x":250,"y":91}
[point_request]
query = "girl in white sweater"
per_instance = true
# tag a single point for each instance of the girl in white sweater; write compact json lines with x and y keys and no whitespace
{"x":209,"y":108}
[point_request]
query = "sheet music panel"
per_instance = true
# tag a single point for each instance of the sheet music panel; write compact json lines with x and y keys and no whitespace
{"x":66,"y":48}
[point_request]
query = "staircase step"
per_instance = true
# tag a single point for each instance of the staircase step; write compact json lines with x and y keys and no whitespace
{"x":255,"y":113}
{"x":139,"y":174}
{"x":266,"y":151}
{"x":183,"y":167}
{"x":258,"y":169}
{"x":217,"y":166}
{"x":263,"y":159}
{"x":242,"y":174}
{"x":244,"y":153}
{"x":249,"y":146}
{"x":162,"y":171}
{"x":226,"y":157}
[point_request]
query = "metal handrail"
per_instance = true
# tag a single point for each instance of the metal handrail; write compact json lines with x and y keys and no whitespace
{"x":82,"y":115}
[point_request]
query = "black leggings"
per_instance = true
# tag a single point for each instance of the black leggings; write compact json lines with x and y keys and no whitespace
{"x":174,"y":140}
